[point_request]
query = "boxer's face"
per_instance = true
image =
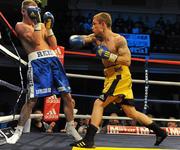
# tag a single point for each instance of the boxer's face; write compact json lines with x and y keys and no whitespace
{"x":24,"y":10}
{"x":97,"y":27}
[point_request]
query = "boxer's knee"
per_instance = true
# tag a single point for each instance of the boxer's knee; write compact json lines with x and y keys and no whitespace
{"x":98,"y":103}
{"x":67,"y":97}
{"x":130,"y":111}
{"x":31,"y":103}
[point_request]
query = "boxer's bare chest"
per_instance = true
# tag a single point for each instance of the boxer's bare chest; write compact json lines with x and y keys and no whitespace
{"x":110,"y":44}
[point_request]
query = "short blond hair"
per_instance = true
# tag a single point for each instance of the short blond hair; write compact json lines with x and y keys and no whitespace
{"x":26,"y":3}
{"x":104,"y":17}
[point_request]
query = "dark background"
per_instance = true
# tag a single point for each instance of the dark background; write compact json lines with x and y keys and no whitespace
{"x":69,"y":19}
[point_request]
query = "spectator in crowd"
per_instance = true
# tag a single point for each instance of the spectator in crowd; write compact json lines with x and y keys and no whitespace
{"x":83,"y":125}
{"x":38,"y":125}
{"x":172,"y":124}
{"x":132,"y":123}
{"x":111,"y":122}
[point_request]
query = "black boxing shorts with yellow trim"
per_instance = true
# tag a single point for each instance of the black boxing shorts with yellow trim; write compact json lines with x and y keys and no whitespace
{"x":118,"y":85}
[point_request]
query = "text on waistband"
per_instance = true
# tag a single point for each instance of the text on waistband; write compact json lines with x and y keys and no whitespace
{"x":45,"y":53}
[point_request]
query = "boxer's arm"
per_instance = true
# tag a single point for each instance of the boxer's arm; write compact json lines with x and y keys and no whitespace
{"x":52,"y":41}
{"x":124,"y":54}
{"x":89,"y":38}
{"x":27,"y":34}
{"x":49,"y":23}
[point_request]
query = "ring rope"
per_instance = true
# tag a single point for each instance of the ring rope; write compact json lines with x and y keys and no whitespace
{"x":134,"y":80}
{"x":160,"y":61}
{"x":4,"y":119}
{"x":7,"y":23}
{"x":136,"y":99}
{"x":6,"y":51}
{"x":11,"y":86}
{"x":12,"y":55}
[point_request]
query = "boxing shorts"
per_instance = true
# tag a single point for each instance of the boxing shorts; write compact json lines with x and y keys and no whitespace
{"x":118,"y":82}
{"x":46,"y":75}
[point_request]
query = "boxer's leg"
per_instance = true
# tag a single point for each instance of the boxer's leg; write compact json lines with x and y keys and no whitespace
{"x":145,"y":120}
{"x":96,"y":117}
{"x":68,"y":110}
{"x":24,"y":116}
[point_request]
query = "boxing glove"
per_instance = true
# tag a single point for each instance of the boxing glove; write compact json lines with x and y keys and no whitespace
{"x":76,"y":41}
{"x":103,"y":52}
{"x":49,"y":22}
{"x":34,"y":14}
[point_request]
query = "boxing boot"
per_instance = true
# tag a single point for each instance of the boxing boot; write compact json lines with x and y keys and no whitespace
{"x":160,"y":133}
{"x":16,"y":136}
{"x":88,"y":140}
{"x":70,"y":130}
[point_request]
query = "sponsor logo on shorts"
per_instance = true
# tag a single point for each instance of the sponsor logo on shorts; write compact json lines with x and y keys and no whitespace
{"x":60,"y":89}
{"x":42,"y":91}
{"x":101,"y":97}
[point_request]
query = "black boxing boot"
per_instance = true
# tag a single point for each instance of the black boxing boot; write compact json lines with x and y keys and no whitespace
{"x":88,"y":140}
{"x":160,"y":133}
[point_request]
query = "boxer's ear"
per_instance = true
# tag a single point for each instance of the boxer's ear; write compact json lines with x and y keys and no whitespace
{"x":103,"y":24}
{"x":23,"y":11}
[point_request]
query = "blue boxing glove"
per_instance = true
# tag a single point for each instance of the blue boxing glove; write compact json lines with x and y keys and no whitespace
{"x":103,"y":52}
{"x":34,"y":14}
{"x":49,"y":22}
{"x":76,"y":41}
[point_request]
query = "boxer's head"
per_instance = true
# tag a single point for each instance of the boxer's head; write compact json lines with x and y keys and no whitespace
{"x":27,"y":3}
{"x":101,"y":21}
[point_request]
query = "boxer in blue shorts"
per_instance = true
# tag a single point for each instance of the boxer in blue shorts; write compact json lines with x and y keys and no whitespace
{"x":46,"y":76}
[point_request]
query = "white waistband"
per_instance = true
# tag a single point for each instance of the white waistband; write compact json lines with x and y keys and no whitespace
{"x":41,"y":54}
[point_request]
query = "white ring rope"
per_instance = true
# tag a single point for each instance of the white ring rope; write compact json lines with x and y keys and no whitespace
{"x":6,"y":51}
{"x":134,"y":80}
{"x":4,"y":119}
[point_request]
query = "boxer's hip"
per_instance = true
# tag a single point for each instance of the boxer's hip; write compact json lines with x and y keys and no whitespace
{"x":113,"y":71}
{"x":41,"y":54}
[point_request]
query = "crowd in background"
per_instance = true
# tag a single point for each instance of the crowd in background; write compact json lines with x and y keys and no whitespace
{"x":164,"y":33}
{"x":81,"y":124}
{"x":165,"y":37}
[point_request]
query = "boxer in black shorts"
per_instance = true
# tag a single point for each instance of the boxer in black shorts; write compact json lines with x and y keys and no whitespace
{"x":116,"y":57}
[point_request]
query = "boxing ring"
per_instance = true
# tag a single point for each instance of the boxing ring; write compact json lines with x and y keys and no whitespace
{"x":60,"y":141}
{"x":116,"y":139}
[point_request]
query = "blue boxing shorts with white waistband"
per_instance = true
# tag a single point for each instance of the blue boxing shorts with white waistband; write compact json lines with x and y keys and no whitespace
{"x":46,"y":75}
